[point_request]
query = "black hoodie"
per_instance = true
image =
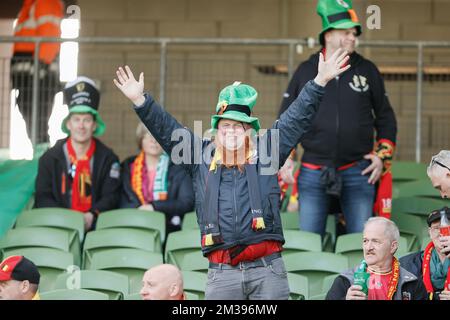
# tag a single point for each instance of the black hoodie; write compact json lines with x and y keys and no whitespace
{"x":354,"y":107}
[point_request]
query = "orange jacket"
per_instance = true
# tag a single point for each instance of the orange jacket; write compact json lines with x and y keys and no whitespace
{"x":39,"y":18}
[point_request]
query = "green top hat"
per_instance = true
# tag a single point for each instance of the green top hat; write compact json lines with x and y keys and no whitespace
{"x":236,"y":103}
{"x":337,"y":14}
{"x":82,"y":96}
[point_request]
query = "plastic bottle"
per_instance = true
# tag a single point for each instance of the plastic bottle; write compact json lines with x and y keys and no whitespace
{"x":361,"y":277}
{"x":444,"y":229}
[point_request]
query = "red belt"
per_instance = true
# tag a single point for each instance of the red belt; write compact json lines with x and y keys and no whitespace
{"x":318,"y":167}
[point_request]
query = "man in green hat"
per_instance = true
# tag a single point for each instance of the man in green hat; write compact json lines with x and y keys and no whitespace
{"x":236,"y":196}
{"x":343,"y":160}
{"x":80,"y":172}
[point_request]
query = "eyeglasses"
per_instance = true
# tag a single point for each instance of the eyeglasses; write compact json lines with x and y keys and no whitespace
{"x":433,"y":161}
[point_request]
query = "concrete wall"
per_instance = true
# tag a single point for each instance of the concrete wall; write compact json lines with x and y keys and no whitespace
{"x":196,"y":73}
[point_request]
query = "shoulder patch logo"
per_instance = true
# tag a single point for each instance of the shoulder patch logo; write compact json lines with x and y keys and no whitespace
{"x":115,"y":171}
{"x":359,"y":83}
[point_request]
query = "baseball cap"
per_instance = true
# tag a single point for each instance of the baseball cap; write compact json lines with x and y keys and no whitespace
{"x":435,"y":215}
{"x":19,"y":268}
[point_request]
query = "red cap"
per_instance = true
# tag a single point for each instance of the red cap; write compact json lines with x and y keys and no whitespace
{"x":19,"y":268}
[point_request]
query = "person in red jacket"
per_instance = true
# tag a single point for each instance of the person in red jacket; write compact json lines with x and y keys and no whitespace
{"x":37,"y":18}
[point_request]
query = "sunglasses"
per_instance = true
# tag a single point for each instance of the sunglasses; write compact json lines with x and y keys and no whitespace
{"x":439,"y":164}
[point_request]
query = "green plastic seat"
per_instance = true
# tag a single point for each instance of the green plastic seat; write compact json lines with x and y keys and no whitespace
{"x":60,"y":218}
{"x":412,"y":224}
{"x":406,"y":171}
{"x":298,"y":285}
{"x":420,"y":188}
{"x":50,"y":262}
{"x":113,"y":284}
{"x":193,"y":261}
{"x":350,"y":245}
{"x":73,"y":294}
{"x":326,"y":286}
{"x":189,"y":221}
{"x":151,"y":221}
{"x":181,"y":242}
{"x":133,"y":296}
{"x":417,"y":205}
{"x":289,"y":220}
{"x":130,"y":262}
{"x":115,"y":238}
{"x":315,"y":266}
{"x":191,"y":296}
{"x":195,"y":282}
{"x":42,"y":237}
{"x":301,"y":241}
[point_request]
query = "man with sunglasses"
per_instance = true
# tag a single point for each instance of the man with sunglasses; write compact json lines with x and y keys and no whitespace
{"x":80,"y":172}
{"x":439,"y":172}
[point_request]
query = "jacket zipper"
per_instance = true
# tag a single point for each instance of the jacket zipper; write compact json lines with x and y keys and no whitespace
{"x":234,"y":201}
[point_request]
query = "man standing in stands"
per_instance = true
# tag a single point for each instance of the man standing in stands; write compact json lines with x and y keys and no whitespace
{"x":340,"y":157}
{"x":19,"y":279}
{"x":80,"y":172}
{"x":37,"y":18}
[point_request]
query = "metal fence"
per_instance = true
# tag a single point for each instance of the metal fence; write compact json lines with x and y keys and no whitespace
{"x":186,"y":74}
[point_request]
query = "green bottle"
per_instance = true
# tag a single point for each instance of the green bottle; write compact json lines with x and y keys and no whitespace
{"x":361,"y":277}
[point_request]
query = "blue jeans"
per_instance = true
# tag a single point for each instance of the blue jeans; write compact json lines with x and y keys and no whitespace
{"x":258,"y":283}
{"x":357,"y":197}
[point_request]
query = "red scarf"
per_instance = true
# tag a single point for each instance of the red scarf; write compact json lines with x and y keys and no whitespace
{"x":82,"y":182}
{"x":426,"y":271}
{"x":383,"y":203}
{"x":394,"y":278}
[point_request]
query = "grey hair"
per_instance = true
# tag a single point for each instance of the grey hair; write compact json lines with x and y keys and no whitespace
{"x":442,"y":157}
{"x":141,"y":131}
{"x":391,"y":229}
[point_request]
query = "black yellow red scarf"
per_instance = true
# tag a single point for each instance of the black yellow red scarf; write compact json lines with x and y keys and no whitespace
{"x":393,"y":282}
{"x":383,"y":202}
{"x":426,"y":274}
{"x":82,"y":182}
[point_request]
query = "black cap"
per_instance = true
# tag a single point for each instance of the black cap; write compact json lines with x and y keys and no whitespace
{"x":19,"y":268}
{"x":435,"y":215}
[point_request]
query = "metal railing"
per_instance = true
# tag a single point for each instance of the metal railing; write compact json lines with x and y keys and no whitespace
{"x":290,"y":46}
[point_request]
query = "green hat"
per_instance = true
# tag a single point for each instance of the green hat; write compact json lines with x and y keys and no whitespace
{"x":337,"y":14}
{"x":82,"y":96}
{"x":236,"y":103}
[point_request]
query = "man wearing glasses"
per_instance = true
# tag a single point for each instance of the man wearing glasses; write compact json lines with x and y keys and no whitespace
{"x":439,"y":172}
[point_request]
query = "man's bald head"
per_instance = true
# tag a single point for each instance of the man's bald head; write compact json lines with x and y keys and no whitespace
{"x":162,"y":282}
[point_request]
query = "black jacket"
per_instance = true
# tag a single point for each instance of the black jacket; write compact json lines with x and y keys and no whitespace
{"x":354,"y":105}
{"x":409,"y":287}
{"x":105,"y":179}
{"x":413,"y":263}
{"x":180,"y":194}
{"x":235,"y":217}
